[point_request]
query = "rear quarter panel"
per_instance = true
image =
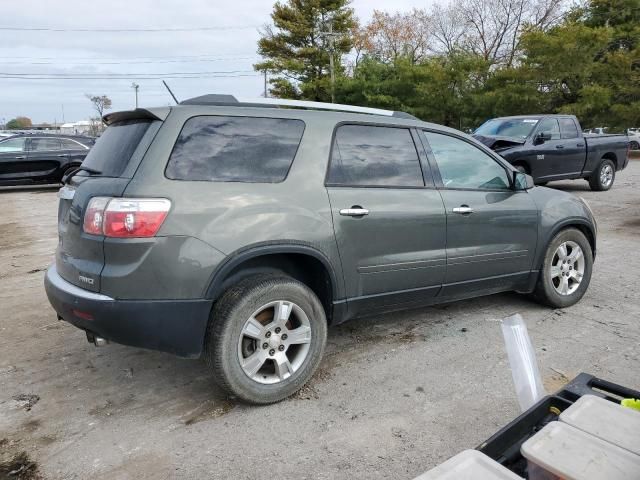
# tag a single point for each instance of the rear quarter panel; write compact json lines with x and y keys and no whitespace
{"x":600,"y":145}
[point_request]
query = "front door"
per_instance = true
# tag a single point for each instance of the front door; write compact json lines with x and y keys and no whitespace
{"x":574,"y":150}
{"x":549,"y":155}
{"x":390,"y":226}
{"x":13,"y":159}
{"x":491,"y":229}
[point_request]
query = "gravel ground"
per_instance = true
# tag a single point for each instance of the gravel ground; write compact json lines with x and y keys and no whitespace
{"x":395,"y":395}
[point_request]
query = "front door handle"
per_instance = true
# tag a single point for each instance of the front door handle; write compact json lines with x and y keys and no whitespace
{"x":354,"y":211}
{"x":63,"y":155}
{"x":463,"y":210}
{"x":559,"y":147}
{"x":20,"y":158}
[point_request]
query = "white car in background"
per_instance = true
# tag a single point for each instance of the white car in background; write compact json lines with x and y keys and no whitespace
{"x":634,"y":138}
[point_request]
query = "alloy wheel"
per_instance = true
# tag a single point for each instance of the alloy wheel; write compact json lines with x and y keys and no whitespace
{"x":567,"y":268}
{"x":274,"y":342}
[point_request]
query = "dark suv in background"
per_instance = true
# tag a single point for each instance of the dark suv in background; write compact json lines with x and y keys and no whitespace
{"x":240,"y":231}
{"x":40,"y":158}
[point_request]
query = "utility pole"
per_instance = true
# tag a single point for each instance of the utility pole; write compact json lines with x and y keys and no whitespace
{"x":266,"y":92}
{"x":135,"y":87}
{"x":331,"y":36}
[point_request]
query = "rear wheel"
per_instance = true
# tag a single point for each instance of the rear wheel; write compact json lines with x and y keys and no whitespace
{"x":566,"y":270}
{"x":633,"y":145}
{"x":603,"y":176}
{"x":266,"y":338}
{"x":68,"y":171}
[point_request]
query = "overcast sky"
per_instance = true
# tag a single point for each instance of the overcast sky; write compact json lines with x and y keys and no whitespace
{"x":229,"y":48}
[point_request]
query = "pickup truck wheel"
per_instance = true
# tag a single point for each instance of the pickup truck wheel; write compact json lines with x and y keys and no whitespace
{"x":603,"y":176}
{"x":266,"y":338}
{"x":566,"y":270}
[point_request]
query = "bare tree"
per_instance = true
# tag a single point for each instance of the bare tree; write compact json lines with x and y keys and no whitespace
{"x":491,"y":28}
{"x":390,"y":36}
{"x":100,"y":104}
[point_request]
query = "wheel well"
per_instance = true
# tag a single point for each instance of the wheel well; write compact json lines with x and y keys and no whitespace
{"x":586,"y":231}
{"x":304,"y":268}
{"x":611,"y":156}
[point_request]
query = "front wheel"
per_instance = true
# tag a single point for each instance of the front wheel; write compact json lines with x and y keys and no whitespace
{"x":633,"y":145}
{"x":266,"y":338}
{"x":566,"y":270}
{"x":603,"y":176}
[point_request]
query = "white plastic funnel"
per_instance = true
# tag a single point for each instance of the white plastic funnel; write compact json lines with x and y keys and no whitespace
{"x":522,"y":359}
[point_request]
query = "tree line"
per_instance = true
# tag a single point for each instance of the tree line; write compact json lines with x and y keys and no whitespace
{"x":464,"y":62}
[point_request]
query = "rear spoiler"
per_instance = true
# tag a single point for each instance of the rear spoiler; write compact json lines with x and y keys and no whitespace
{"x":137,"y":114}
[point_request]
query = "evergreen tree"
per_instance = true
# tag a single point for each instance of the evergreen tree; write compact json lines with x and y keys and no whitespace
{"x":297,"y":48}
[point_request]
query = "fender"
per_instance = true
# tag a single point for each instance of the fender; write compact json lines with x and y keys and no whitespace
{"x":267,"y":248}
{"x":568,"y":222}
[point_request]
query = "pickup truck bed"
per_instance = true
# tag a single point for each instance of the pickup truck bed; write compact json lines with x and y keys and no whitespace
{"x":552,"y":147}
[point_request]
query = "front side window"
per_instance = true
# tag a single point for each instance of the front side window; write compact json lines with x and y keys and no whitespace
{"x":549,"y":126}
{"x":463,"y":165}
{"x":366,"y":155}
{"x":12,"y":145}
{"x":235,"y":149}
{"x":44,"y":144}
{"x":568,"y":128}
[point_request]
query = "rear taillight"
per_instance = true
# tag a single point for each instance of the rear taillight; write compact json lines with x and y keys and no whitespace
{"x":125,"y":217}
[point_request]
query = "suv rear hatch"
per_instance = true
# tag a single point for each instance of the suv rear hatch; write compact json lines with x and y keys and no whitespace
{"x":106,"y":172}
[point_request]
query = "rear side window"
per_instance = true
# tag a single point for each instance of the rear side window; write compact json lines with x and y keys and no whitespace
{"x":112,"y":151}
{"x":366,"y":155}
{"x":235,"y":149}
{"x":568,"y":128}
{"x":44,"y":144}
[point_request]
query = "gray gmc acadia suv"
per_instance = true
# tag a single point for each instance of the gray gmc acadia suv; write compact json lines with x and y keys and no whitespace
{"x":240,"y":231}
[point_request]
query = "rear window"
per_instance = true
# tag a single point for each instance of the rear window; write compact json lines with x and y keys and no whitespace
{"x":112,"y":151}
{"x":235,"y":149}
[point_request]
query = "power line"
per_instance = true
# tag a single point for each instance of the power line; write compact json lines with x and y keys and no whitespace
{"x":136,"y":77}
{"x":221,"y":57}
{"x":125,"y":30}
{"x":136,"y":62}
{"x":129,"y":74}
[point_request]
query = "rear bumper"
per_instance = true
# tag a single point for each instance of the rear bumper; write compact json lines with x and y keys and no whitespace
{"x":173,"y":326}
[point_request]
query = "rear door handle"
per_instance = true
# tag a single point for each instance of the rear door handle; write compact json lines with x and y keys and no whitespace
{"x":20,"y":158}
{"x":355,"y":211}
{"x":559,"y":147}
{"x":463,"y":210}
{"x":63,"y":155}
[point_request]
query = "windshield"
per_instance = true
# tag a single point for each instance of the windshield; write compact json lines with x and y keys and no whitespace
{"x":512,"y":127}
{"x":112,"y":151}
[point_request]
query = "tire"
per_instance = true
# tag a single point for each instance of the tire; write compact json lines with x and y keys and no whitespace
{"x":68,"y":170}
{"x":521,"y":168}
{"x":553,"y":273}
{"x":232,"y":338}
{"x":603,"y":177}
{"x":633,"y":145}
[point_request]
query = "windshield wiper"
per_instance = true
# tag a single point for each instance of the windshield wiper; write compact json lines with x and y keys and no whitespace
{"x":91,"y":171}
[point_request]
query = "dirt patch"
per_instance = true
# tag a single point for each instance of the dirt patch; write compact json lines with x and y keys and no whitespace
{"x":209,"y":410}
{"x":26,"y":401}
{"x":19,"y":467}
{"x":632,"y":222}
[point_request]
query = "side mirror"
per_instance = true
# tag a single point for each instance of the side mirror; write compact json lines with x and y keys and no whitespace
{"x":522,"y":181}
{"x":542,"y":137}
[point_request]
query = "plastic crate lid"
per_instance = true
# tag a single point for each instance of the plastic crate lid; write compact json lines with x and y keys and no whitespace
{"x":606,"y":420}
{"x":469,"y":464}
{"x":575,"y":455}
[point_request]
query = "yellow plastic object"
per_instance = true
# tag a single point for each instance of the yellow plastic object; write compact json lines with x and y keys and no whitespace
{"x":631,"y":403}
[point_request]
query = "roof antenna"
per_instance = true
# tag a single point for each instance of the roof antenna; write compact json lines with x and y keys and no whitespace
{"x":171,"y":93}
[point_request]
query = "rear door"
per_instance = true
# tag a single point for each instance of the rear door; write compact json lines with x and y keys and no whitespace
{"x":45,"y":156}
{"x":574,"y":150}
{"x":491,"y":229}
{"x":13,"y":159}
{"x":388,"y":218}
{"x":112,"y":160}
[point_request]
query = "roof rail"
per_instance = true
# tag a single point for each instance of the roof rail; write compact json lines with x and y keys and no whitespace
{"x":277,"y":102}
